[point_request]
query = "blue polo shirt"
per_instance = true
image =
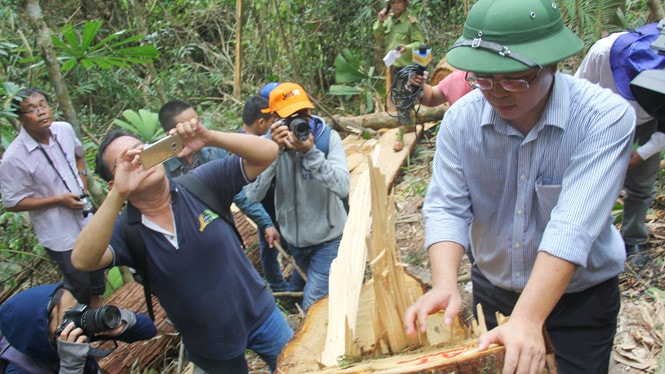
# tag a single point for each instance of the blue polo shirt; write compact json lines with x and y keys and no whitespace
{"x":208,"y":287}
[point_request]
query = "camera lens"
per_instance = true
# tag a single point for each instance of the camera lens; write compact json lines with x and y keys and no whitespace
{"x":100,"y":319}
{"x":300,"y":128}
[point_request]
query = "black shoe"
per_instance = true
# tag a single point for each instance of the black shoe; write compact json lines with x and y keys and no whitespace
{"x":633,"y":249}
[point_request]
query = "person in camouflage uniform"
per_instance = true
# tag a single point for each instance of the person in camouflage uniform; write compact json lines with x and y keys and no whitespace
{"x":396,"y":28}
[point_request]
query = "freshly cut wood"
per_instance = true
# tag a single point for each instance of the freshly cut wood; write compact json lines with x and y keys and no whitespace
{"x":302,"y":353}
{"x":346,"y":276}
{"x":366,"y":322}
{"x":462,"y":360}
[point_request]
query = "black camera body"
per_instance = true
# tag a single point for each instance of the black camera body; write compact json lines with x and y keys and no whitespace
{"x":87,"y":205}
{"x":298,"y":124}
{"x":91,"y":320}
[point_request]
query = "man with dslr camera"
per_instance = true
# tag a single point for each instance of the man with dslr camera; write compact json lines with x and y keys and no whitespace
{"x":45,"y":330}
{"x":43,"y":172}
{"x":311,"y":185}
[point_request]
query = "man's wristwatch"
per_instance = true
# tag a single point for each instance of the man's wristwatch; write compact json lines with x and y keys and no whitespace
{"x":83,"y":173}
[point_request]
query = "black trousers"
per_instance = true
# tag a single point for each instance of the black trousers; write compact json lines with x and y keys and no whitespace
{"x":581,"y":326}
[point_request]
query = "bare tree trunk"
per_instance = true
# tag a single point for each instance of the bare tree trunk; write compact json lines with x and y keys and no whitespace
{"x":656,"y":10}
{"x":237,"y":84}
{"x":139,"y":17}
{"x":382,"y":120}
{"x":45,"y":46}
{"x":295,"y":69}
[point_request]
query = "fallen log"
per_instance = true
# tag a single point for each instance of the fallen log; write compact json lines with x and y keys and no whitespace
{"x":384,"y":120}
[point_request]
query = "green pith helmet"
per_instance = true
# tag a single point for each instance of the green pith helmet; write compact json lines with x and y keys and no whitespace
{"x":506,"y":36}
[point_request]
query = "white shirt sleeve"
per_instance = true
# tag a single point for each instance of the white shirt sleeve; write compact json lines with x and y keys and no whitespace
{"x":655,"y":144}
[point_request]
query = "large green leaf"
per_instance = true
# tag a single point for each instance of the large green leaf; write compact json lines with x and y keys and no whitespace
{"x":111,"y":51}
{"x":346,"y":73}
{"x":341,"y":90}
{"x":145,"y":124}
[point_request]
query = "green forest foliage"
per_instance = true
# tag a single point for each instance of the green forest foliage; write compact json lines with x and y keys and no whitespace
{"x":130,"y":55}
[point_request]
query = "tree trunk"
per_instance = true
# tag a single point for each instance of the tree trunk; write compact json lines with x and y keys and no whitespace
{"x":43,"y":36}
{"x":656,"y":10}
{"x":383,"y":120}
{"x":139,"y":17}
{"x":237,"y":84}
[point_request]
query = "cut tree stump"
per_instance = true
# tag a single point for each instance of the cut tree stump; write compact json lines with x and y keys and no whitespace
{"x":359,"y":321}
{"x":358,"y":327}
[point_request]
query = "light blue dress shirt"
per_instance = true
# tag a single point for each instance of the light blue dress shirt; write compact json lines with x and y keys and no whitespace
{"x":509,"y":195}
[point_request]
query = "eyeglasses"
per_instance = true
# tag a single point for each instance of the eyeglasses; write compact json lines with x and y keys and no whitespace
{"x":511,"y":85}
{"x":41,"y":107}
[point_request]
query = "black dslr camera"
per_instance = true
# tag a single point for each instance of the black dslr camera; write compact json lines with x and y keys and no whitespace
{"x":298,"y":124}
{"x":91,"y":320}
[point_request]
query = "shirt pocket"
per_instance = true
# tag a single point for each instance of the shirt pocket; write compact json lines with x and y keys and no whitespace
{"x":547,"y":196}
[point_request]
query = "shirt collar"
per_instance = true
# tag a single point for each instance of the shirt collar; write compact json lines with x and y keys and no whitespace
{"x":30,"y":142}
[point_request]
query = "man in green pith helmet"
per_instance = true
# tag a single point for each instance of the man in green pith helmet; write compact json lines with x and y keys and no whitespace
{"x":526,"y":171}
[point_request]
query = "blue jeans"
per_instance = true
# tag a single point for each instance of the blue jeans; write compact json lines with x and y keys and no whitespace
{"x":271,"y":270}
{"x":315,"y":262}
{"x":267,"y":341}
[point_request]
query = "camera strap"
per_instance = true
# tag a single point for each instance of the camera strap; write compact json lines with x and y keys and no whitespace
{"x":100,"y":353}
{"x":50,"y":162}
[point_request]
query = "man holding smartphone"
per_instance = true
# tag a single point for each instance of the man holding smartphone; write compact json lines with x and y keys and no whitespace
{"x":194,"y":262}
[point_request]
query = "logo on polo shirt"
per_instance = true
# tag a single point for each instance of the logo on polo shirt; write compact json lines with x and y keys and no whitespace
{"x":205,"y":218}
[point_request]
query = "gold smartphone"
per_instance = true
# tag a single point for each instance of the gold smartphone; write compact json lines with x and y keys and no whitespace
{"x":160,"y":151}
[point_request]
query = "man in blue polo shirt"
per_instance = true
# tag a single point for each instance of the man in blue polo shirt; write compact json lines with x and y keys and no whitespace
{"x":194,"y":261}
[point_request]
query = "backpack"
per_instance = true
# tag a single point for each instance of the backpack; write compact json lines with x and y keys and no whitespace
{"x":135,"y":243}
{"x":323,"y":144}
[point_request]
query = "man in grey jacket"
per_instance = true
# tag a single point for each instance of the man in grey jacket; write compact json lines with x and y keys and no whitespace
{"x":312,"y":183}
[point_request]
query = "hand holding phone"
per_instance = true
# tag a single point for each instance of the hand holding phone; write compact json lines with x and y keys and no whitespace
{"x":160,"y":151}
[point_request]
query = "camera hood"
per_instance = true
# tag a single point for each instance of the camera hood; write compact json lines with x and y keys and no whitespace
{"x":648,"y":87}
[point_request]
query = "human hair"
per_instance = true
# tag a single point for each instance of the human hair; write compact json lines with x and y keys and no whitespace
{"x":15,"y":105}
{"x":169,"y":111}
{"x":252,"y":110}
{"x":101,"y":168}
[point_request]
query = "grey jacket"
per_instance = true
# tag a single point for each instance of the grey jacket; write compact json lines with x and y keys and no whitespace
{"x":309,"y":189}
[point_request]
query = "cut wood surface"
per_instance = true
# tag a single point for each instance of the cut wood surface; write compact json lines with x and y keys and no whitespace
{"x":461,"y":360}
{"x":301,"y":354}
